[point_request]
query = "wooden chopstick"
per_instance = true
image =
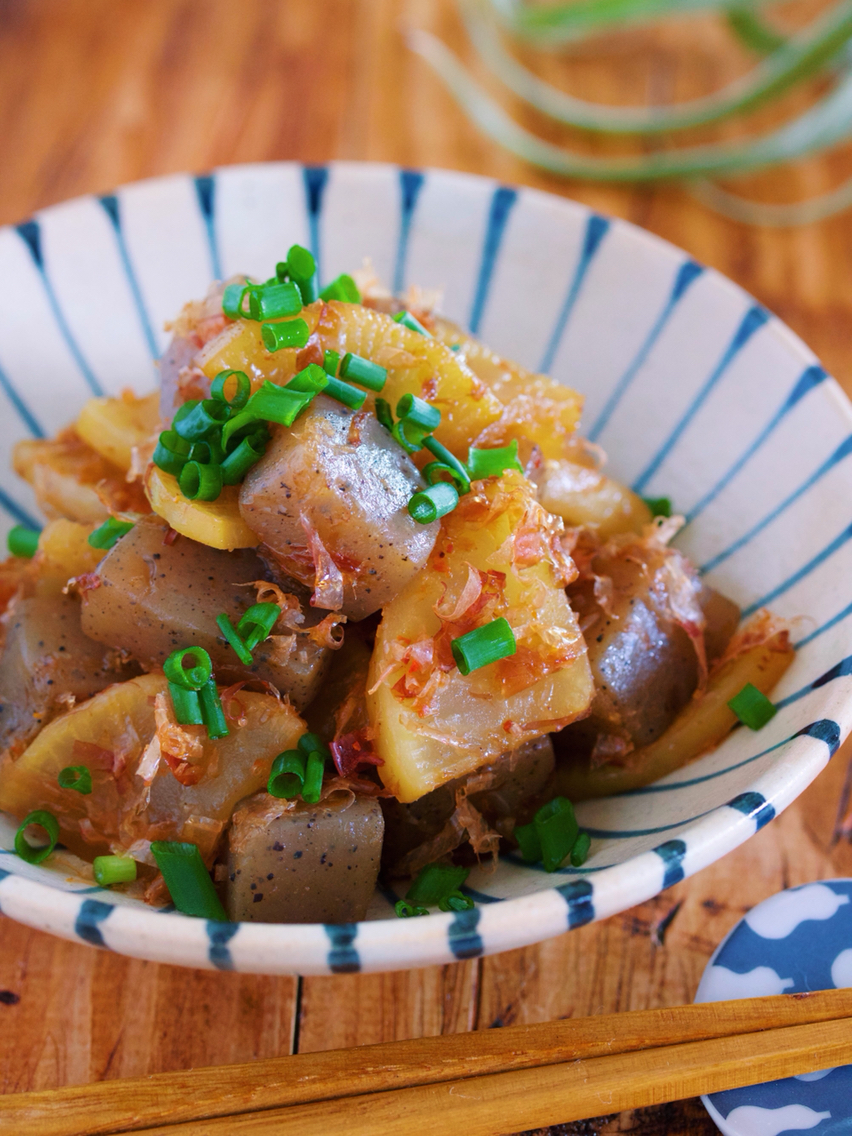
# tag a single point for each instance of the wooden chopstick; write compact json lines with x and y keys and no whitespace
{"x":516,"y":1077}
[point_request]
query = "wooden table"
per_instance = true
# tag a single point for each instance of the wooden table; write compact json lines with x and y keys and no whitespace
{"x":94,"y":93}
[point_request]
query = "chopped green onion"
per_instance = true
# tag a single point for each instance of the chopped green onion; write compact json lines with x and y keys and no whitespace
{"x":199,"y":482}
{"x":343,"y":288}
{"x":212,"y":714}
{"x":76,"y":777}
{"x":331,"y":361}
{"x":23,"y":541}
{"x":287,"y":775}
{"x":446,"y":463}
{"x":407,"y":910}
{"x":175,"y":669}
{"x":410,"y":444}
{"x":456,"y":901}
{"x":113,"y":870}
{"x":237,"y":464}
{"x":35,"y":854}
{"x":483,"y":645}
{"x":290,"y":333}
{"x":312,"y":743}
{"x":557,"y":830}
{"x":208,"y":452}
{"x":275,"y":301}
{"x":580,"y":851}
{"x":230,"y":632}
{"x":172,"y":452}
{"x":242,"y":388}
{"x":384,"y":413}
{"x":232,"y":300}
{"x":187,"y":879}
{"x":269,"y":404}
{"x":111,"y":531}
{"x":436,"y":501}
{"x":752,"y":707}
{"x":528,"y":842}
{"x":350,"y":396}
{"x":436,"y":882}
{"x":412,"y":323}
{"x":186,"y":705}
{"x":201,"y":419}
{"x":314,"y":769}
{"x":300,"y":263}
{"x":364,"y":372}
{"x":417,"y":412}
{"x":493,"y":462}
{"x":659,"y":506}
{"x":310,"y":380}
{"x":257,"y":623}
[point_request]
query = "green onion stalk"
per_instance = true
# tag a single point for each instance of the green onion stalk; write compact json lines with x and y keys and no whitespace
{"x":822,"y":48}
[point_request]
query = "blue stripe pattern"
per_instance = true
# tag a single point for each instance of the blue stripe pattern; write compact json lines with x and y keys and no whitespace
{"x":501,"y":205}
{"x":806,"y":382}
{"x":92,"y":913}
{"x":111,"y":207}
{"x":315,"y":179}
{"x":342,"y":956}
{"x":835,"y":619}
{"x":840,"y":670}
{"x":30,"y":234}
{"x":220,"y":934}
{"x":820,"y":558}
{"x":754,"y":805}
{"x":24,"y":412}
{"x":18,"y":511}
{"x":462,"y":937}
{"x":205,"y":191}
{"x":596,"y":229}
{"x":578,"y":895}
{"x":754,"y":319}
{"x":410,"y":184}
{"x":688,"y":272}
{"x":842,"y":451}
{"x":672,"y":854}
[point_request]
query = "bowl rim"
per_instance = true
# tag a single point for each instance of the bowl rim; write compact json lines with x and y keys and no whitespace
{"x":395,"y":944}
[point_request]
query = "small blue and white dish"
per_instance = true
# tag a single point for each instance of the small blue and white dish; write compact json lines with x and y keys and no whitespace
{"x":695,"y":391}
{"x":793,"y":942}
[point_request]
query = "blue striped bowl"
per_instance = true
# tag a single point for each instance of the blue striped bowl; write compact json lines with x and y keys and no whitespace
{"x":695,"y":391}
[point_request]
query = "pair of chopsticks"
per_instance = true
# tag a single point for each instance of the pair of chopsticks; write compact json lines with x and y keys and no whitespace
{"x":482,"y":1084}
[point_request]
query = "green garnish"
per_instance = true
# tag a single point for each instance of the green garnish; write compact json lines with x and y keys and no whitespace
{"x":406,"y":910}
{"x":412,"y":323}
{"x":493,"y":462}
{"x":76,"y":777}
{"x":483,"y":645}
{"x":659,"y":506}
{"x":35,"y":853}
{"x":436,"y":882}
{"x":363,"y":371}
{"x":289,"y":333}
{"x":436,"y":501}
{"x":187,"y":879}
{"x":107,"y":534}
{"x":343,"y":288}
{"x":23,"y":542}
{"x":752,"y":707}
{"x":552,"y":836}
{"x":113,"y":870}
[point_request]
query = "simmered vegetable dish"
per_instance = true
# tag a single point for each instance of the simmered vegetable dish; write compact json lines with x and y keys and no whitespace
{"x":348,"y":596}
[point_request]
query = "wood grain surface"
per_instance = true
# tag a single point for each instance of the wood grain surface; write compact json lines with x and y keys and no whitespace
{"x":94,"y":93}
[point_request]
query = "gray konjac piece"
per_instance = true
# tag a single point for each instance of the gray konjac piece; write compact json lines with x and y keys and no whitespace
{"x":306,"y":863}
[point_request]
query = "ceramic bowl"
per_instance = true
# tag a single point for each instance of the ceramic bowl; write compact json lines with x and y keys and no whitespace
{"x":695,"y":391}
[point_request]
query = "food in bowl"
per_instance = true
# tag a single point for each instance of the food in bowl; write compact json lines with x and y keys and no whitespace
{"x":349,"y":594}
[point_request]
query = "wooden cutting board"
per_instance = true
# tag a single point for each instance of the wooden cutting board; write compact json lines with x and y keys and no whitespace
{"x":94,"y":93}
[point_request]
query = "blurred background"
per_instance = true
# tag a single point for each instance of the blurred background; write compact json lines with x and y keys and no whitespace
{"x":94,"y":93}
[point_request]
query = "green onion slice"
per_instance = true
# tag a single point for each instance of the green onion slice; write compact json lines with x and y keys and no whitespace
{"x":331,"y":361}
{"x":310,"y":380}
{"x":446,"y":463}
{"x":275,"y":301}
{"x":111,"y":531}
{"x":23,"y":541}
{"x":314,"y":769}
{"x":171,"y":452}
{"x":493,"y":462}
{"x":200,"y":482}
{"x":237,"y":464}
{"x":659,"y":506}
{"x":269,"y":404}
{"x":190,"y":676}
{"x":76,"y":777}
{"x":201,"y":419}
{"x":257,"y":623}
{"x":417,"y":412}
{"x":384,"y":413}
{"x":232,"y":300}
{"x":212,"y":714}
{"x":312,"y":743}
{"x":436,"y":501}
{"x":186,"y":704}
{"x":580,"y":851}
{"x":409,"y":437}
{"x":752,"y":707}
{"x":187,"y":879}
{"x":343,"y":288}
{"x":350,"y":396}
{"x":230,"y":632}
{"x":300,"y":263}
{"x":412,"y":323}
{"x":34,"y":853}
{"x":290,"y":333}
{"x":528,"y":842}
{"x":287,"y":775}
{"x":406,"y":910}
{"x":483,"y":645}
{"x":113,"y":870}
{"x":363,"y":371}
{"x":456,"y":901}
{"x":436,"y":882}
{"x":557,"y":830}
{"x":241,"y":386}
